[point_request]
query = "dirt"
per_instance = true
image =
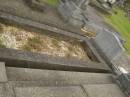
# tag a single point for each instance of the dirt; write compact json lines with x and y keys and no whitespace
{"x":17,"y":38}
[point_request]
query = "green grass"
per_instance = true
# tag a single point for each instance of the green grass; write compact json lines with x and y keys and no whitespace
{"x":50,"y":2}
{"x":122,"y":25}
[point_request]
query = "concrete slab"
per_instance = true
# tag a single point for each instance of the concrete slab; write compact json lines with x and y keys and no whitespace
{"x":49,"y":92}
{"x":104,"y":90}
{"x":6,"y":90}
{"x":1,"y":90}
{"x":17,"y":58}
{"x":3,"y":76}
{"x":52,"y":77}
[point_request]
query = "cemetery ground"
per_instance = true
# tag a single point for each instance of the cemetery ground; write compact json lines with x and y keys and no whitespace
{"x":121,"y":23}
{"x":20,"y":39}
{"x":56,"y":53}
{"x":50,"y":2}
{"x":118,"y":21}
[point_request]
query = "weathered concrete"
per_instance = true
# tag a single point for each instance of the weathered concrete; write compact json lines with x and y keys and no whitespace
{"x":35,"y":5}
{"x":71,"y":12}
{"x":38,"y":27}
{"x":2,"y":90}
{"x":123,"y":61}
{"x":6,"y":90}
{"x":50,"y":77}
{"x":17,"y":58}
{"x":92,"y":51}
{"x":103,"y":90}
{"x":70,"y":91}
{"x":95,"y":90}
{"x":51,"y":17}
{"x":30,"y":60}
{"x":3,"y":76}
{"x":109,"y":44}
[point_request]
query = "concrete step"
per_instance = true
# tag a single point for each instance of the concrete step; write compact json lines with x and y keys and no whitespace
{"x":26,"y":82}
{"x":69,"y":91}
{"x":97,"y":90}
{"x":52,"y":77}
{"x":3,"y":76}
{"x":6,"y":90}
{"x":104,"y":90}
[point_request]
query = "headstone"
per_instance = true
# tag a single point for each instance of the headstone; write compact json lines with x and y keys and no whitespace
{"x":72,"y":11}
{"x":109,"y":43}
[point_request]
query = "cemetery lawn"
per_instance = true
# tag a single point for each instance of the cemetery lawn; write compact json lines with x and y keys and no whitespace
{"x":50,"y":2}
{"x":122,"y":25}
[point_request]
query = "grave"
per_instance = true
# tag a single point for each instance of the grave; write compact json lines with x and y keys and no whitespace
{"x":72,"y":11}
{"x":60,"y":69}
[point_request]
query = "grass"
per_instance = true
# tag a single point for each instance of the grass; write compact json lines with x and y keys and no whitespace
{"x":122,"y":25}
{"x":33,"y":43}
{"x":50,"y":2}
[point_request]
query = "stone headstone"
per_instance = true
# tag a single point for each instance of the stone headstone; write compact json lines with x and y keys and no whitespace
{"x":72,"y":11}
{"x":109,"y":44}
